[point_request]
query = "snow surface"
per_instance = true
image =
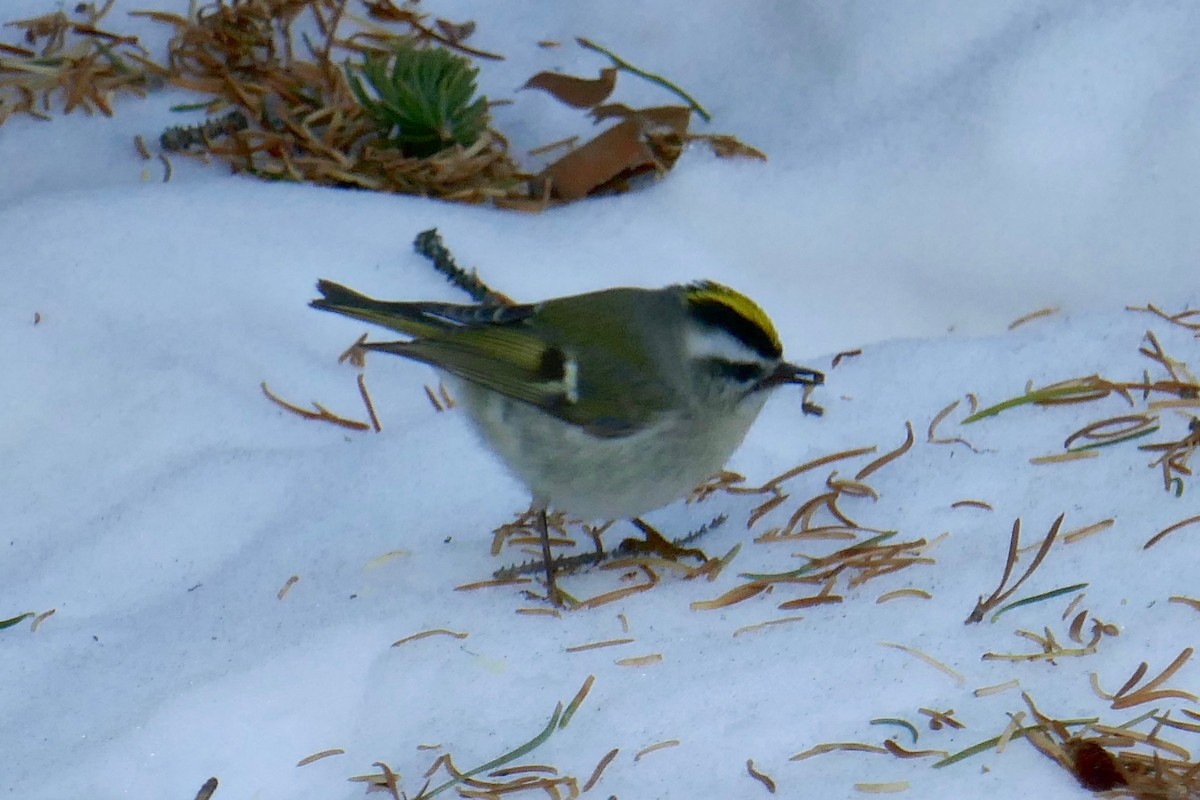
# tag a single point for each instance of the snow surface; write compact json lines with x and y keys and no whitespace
{"x":936,"y":170}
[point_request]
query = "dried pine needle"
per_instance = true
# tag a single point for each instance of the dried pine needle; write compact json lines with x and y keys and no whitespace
{"x":40,"y":618}
{"x":1082,"y":533}
{"x":759,"y":776}
{"x":887,"y":458}
{"x":321,"y":414}
{"x":599,"y":770}
{"x":735,"y":595}
{"x":1127,"y":697}
{"x":931,"y":434}
{"x":1014,"y":724}
{"x":304,"y":762}
{"x":287,"y":587}
{"x":645,"y":751}
{"x":1001,"y":594}
{"x":984,"y":691}
{"x":1032,"y":315}
{"x":1158,"y":537}
{"x":832,"y":747}
{"x":639,"y":661}
{"x":1078,"y":599}
{"x":900,"y":752}
{"x":580,"y":648}
{"x":432,"y":632}
{"x":958,"y":677}
{"x":764,"y":625}
{"x":810,"y":602}
{"x":882,"y":788}
{"x":1187,"y":601}
{"x":366,"y":398}
{"x":972,"y":504}
{"x":837,"y":359}
{"x":896,"y":594}
{"x":1060,"y":458}
{"x":470,"y":587}
{"x":627,"y":591}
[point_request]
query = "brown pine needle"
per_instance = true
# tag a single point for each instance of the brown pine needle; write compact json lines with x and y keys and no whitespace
{"x":1032,"y":315}
{"x":1082,"y":533}
{"x":891,"y":787}
{"x":540,"y":612}
{"x":972,"y":504}
{"x":900,"y":752}
{"x":764,"y":625}
{"x":1126,"y":696}
{"x":760,"y":776}
{"x":1187,"y":601}
{"x":287,"y":587}
{"x":837,"y":359}
{"x":599,"y":770}
{"x":958,"y":677}
{"x":1001,"y":594}
{"x":887,"y":458}
{"x":895,"y":594}
{"x":984,"y":691}
{"x":1061,"y":458}
{"x":645,"y":751}
{"x":931,"y":434}
{"x":833,"y":747}
{"x":1158,"y":537}
{"x":304,"y":762}
{"x":580,"y":648}
{"x":426,"y":634}
{"x":321,"y":414}
{"x":40,"y":618}
{"x":366,"y":398}
{"x":639,"y":661}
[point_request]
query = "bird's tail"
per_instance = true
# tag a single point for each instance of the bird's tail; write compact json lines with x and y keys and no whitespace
{"x":411,"y":319}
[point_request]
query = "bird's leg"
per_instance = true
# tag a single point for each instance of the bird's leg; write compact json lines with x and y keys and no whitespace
{"x":544,"y":532}
{"x":656,"y":543}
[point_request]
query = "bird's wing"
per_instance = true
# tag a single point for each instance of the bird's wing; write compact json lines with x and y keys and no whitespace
{"x":511,"y":361}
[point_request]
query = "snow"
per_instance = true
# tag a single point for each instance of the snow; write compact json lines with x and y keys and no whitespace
{"x":936,"y":171}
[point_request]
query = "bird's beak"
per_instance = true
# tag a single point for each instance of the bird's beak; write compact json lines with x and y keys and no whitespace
{"x":790,"y":373}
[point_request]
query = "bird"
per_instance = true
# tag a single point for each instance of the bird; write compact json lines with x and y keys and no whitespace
{"x":605,"y":405}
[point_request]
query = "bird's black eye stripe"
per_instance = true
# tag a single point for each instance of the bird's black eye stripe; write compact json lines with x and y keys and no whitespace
{"x":739,"y":371}
{"x":745,"y":330}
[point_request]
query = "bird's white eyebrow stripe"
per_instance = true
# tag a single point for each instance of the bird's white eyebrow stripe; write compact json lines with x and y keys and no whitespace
{"x":716,"y":343}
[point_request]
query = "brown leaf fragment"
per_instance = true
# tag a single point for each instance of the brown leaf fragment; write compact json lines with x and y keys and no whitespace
{"x":663,"y":118}
{"x":621,"y":151}
{"x":725,"y":145}
{"x":573,"y":91}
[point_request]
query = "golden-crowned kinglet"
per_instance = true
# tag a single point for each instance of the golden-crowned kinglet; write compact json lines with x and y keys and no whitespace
{"x":606,"y":405}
